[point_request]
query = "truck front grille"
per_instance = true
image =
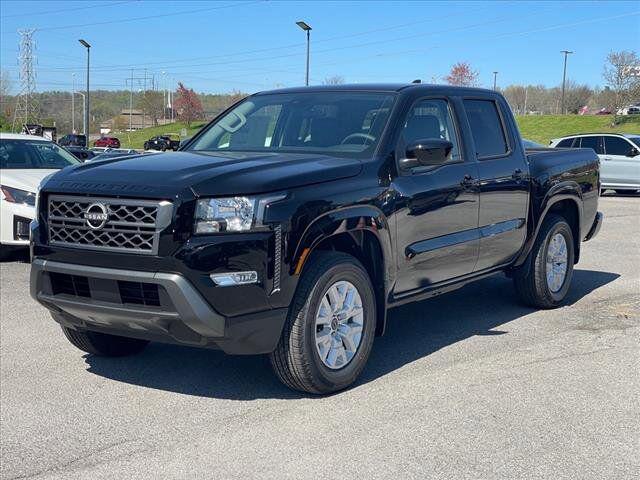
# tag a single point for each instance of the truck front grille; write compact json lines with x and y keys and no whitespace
{"x":111,"y":224}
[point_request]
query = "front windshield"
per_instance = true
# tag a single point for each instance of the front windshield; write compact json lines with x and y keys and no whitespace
{"x":34,"y":154}
{"x":339,"y":123}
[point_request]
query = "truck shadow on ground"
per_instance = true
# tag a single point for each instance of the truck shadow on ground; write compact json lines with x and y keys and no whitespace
{"x":413,"y":332}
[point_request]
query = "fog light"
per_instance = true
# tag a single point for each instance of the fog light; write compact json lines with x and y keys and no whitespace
{"x":234,"y":278}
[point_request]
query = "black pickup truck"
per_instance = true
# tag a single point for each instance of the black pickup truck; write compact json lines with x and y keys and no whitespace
{"x":292,"y":222}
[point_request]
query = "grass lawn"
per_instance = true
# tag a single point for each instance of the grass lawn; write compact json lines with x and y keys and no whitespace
{"x":539,"y":128}
{"x":136,"y":139}
{"x":542,"y":128}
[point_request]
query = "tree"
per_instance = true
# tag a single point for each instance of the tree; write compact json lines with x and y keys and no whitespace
{"x":188,"y":105}
{"x":462,"y":75}
{"x":622,"y":75}
{"x":5,"y":83}
{"x":151,"y":103}
{"x":335,"y":80}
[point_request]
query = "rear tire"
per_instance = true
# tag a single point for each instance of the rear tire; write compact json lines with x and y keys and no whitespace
{"x":318,"y":352}
{"x":103,"y":344}
{"x":545,"y":283}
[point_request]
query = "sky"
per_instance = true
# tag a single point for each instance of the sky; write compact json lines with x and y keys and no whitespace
{"x":253,"y":45}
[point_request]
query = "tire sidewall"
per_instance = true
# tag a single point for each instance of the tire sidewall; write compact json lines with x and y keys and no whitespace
{"x":562,"y":228}
{"x":346,"y":375}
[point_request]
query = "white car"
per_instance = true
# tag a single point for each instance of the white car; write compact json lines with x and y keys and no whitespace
{"x":24,"y":161}
{"x":619,"y":157}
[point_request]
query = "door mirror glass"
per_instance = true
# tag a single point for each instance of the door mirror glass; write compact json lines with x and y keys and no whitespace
{"x":427,"y":152}
{"x":633,"y":152}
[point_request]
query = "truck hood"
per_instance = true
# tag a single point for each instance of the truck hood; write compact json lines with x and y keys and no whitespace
{"x":201,"y":173}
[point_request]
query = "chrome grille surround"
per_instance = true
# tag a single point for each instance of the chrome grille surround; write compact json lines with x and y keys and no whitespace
{"x":132,"y":226}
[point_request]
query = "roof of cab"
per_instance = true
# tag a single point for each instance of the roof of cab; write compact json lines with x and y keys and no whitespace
{"x":380,"y":87}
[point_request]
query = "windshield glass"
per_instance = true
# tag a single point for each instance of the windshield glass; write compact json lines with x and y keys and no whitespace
{"x":338,"y":123}
{"x":27,"y":154}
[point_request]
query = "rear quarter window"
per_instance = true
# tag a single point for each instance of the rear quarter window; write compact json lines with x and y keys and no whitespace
{"x":486,"y":128}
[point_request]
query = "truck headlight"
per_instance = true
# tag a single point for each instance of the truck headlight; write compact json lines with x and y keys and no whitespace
{"x":232,"y":214}
{"x":15,"y":195}
{"x":235,"y":214}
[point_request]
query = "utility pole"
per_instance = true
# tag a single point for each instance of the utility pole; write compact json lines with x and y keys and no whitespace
{"x":27,"y":106}
{"x":304,"y":26}
{"x":564,"y":79}
{"x":495,"y":77}
{"x":73,"y":103}
{"x":131,"y":103}
{"x":84,"y":113}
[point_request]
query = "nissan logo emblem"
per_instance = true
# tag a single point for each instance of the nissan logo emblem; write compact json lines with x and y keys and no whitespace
{"x":96,"y":216}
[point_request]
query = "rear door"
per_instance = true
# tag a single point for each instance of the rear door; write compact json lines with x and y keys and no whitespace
{"x":622,"y":168}
{"x":504,"y":181}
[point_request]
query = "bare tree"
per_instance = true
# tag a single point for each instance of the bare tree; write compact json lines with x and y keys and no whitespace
{"x":335,"y":80}
{"x":5,"y":83}
{"x":151,"y":103}
{"x":622,"y":76}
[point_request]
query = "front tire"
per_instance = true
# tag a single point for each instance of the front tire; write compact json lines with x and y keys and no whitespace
{"x":103,"y":344}
{"x":546,"y":281}
{"x":329,"y":332}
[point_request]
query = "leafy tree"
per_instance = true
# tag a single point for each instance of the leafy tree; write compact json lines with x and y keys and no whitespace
{"x":462,"y":75}
{"x":151,"y":102}
{"x":188,"y":105}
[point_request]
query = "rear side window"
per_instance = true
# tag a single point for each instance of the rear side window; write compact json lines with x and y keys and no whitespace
{"x":591,"y":142}
{"x":616,"y":146}
{"x":486,"y":128}
{"x":566,"y":143}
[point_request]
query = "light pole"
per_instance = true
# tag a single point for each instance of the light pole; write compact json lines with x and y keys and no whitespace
{"x":564,"y":78}
{"x":495,"y":77}
{"x":164,"y":97}
{"x":73,"y":103}
{"x":307,"y":29}
{"x":86,"y":100}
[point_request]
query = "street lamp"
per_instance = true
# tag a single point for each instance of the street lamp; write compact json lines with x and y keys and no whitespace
{"x":495,"y":76}
{"x":73,"y":103}
{"x":86,"y":111}
{"x":564,"y":78}
{"x":84,"y":114}
{"x":307,"y":29}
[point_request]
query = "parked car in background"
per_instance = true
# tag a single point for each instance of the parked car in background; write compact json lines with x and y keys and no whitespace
{"x":603,"y":111}
{"x":25,"y":160}
{"x":289,"y":225}
{"x":110,"y":142}
{"x":162,"y":143}
{"x":73,"y":140}
{"x":81,"y":153}
{"x":619,"y":157}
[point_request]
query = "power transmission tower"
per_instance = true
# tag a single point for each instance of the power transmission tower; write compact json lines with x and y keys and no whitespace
{"x":27,"y":105}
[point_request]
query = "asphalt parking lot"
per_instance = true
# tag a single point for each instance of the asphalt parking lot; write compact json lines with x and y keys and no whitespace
{"x":467,"y":385}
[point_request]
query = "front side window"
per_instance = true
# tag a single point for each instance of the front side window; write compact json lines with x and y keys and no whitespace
{"x":616,"y":146}
{"x":486,"y":128}
{"x":591,"y":142}
{"x":34,"y":154}
{"x":338,"y":123}
{"x":431,"y":119}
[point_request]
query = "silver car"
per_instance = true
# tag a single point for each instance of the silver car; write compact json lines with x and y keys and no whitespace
{"x":619,"y":157}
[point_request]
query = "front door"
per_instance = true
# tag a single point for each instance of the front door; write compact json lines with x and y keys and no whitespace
{"x":620,"y":167}
{"x":437,"y":215}
{"x":504,"y":182}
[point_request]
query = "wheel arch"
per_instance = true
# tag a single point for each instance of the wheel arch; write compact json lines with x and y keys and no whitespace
{"x":360,"y":231}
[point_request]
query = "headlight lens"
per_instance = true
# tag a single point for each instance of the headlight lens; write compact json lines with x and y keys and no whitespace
{"x":215,"y":215}
{"x":15,"y":195}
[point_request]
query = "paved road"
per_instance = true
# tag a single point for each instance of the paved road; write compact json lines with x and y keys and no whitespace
{"x":468,"y":385}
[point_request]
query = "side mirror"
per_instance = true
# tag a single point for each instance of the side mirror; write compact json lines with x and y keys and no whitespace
{"x":632,"y":152}
{"x":427,"y":152}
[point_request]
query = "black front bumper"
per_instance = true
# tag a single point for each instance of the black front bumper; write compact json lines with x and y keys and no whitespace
{"x":158,"y":306}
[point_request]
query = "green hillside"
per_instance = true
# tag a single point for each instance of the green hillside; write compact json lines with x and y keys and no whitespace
{"x":539,"y":128}
{"x":136,"y":139}
{"x":542,"y":128}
